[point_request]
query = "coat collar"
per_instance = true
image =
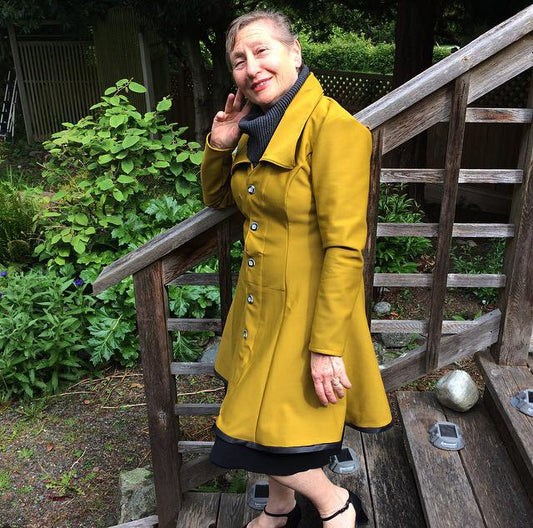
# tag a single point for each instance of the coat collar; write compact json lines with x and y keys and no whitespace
{"x":281,"y":149}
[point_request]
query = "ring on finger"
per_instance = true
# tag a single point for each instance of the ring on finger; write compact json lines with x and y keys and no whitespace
{"x":336,"y":382}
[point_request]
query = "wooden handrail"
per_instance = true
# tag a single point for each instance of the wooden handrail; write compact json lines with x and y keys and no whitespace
{"x":387,"y":109}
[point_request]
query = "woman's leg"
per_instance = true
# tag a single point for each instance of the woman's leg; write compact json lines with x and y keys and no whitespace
{"x":315,"y":485}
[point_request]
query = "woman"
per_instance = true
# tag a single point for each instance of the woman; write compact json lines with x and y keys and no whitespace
{"x":296,"y":354}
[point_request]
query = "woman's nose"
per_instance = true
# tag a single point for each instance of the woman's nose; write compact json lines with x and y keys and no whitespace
{"x":252,"y":67}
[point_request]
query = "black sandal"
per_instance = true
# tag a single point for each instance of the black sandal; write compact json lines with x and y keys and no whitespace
{"x":293,"y":517}
{"x":360,"y":515}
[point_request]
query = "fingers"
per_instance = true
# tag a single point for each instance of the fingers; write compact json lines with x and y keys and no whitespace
{"x":229,"y":103}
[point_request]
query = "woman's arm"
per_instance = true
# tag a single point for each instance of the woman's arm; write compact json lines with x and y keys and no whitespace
{"x":340,"y":172}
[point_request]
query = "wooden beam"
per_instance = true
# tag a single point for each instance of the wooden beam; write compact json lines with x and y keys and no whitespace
{"x":465,"y":175}
{"x":160,"y":390}
{"x":198,"y":471}
{"x":454,"y":152}
{"x":428,"y":229}
{"x":372,"y":221}
{"x":516,"y":302}
{"x":148,"y":80}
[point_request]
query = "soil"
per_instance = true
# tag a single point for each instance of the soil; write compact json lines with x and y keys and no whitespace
{"x":61,"y":456}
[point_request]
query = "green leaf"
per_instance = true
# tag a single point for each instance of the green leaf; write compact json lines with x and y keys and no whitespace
{"x":110,"y":90}
{"x":196,"y":158}
{"x":129,"y":141}
{"x":125,"y":179}
{"x":182,"y":156}
{"x":118,"y":195}
{"x":105,"y":184}
{"x":59,"y":194}
{"x":127,"y":165}
{"x":161,"y":164}
{"x":104,"y":158}
{"x":164,"y":105}
{"x":82,"y":219}
{"x":136,"y":87}
{"x":117,"y":120}
{"x":78,"y":245}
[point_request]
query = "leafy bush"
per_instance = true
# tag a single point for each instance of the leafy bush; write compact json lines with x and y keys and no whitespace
{"x":398,"y":254}
{"x":468,"y":259}
{"x":17,"y":226}
{"x":42,"y":332}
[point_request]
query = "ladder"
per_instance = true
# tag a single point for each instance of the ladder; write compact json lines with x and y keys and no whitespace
{"x":7,"y":115}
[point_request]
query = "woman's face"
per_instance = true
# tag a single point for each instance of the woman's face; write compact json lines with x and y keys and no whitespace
{"x":263,"y":67}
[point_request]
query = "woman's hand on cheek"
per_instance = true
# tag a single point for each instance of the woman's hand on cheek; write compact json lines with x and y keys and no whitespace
{"x":329,"y":377}
{"x":225,"y":132}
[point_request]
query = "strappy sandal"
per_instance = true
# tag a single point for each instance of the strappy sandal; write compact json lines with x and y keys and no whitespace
{"x":360,"y":515}
{"x":293,"y":517}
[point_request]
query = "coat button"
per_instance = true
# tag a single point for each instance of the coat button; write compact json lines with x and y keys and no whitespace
{"x":251,"y":262}
{"x":245,"y":333}
{"x":250,"y":299}
{"x":254,"y":226}
{"x":251,"y":189}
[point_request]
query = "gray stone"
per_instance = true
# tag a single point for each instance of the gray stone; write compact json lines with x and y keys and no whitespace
{"x":382,"y":307}
{"x":137,"y":494}
{"x":211,"y":351}
{"x":395,"y":339}
{"x":457,"y":390}
{"x":380,"y":350}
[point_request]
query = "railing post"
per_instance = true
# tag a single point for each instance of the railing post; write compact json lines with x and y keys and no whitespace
{"x":372,"y":220}
{"x":454,"y":149}
{"x":224,"y":269}
{"x":516,"y":299}
{"x":160,"y":390}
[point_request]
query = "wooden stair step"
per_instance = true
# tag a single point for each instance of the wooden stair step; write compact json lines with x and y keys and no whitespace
{"x":476,"y":486}
{"x":443,"y":487}
{"x":199,"y":510}
{"x":392,"y":484}
{"x":231,"y":510}
{"x":501,"y":383}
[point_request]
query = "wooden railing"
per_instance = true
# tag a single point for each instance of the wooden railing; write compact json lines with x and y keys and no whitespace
{"x":441,"y":93}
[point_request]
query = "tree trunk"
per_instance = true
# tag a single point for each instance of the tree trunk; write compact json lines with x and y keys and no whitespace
{"x":415,"y":23}
{"x":202,"y":106}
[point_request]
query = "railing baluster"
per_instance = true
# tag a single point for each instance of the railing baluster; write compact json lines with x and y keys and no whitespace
{"x":160,"y":390}
{"x":454,"y":150}
{"x":372,"y":219}
{"x":224,"y":268}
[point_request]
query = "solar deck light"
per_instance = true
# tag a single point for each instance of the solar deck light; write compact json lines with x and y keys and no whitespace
{"x":344,"y":462}
{"x":258,"y":495}
{"x":523,"y":401}
{"x":446,"y":435}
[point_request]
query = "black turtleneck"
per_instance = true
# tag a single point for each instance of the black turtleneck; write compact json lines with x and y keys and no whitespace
{"x":261,"y":126}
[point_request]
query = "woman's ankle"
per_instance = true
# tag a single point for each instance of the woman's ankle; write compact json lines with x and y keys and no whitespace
{"x":333,"y":501}
{"x":281,"y":505}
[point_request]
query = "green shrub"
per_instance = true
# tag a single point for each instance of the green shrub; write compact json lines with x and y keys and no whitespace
{"x":398,"y":254}
{"x":468,"y":259}
{"x":42,"y":332}
{"x":17,"y":226}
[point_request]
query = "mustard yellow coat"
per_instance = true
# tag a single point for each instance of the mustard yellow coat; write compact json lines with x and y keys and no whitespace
{"x":300,"y":286}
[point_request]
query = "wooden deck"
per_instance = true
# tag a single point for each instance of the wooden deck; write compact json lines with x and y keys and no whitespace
{"x":405,"y":482}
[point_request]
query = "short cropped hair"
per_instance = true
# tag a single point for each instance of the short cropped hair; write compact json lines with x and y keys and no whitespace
{"x":280,"y":21}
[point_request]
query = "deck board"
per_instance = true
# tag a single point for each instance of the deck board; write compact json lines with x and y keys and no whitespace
{"x":199,"y":510}
{"x":443,"y":487}
{"x":392,"y":484}
{"x":231,"y":510}
{"x":494,"y":481}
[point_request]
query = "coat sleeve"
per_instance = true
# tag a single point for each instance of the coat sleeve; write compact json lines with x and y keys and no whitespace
{"x":215,"y":176}
{"x":340,"y":173}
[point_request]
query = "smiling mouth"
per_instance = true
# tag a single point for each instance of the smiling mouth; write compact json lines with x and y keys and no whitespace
{"x":261,"y":84}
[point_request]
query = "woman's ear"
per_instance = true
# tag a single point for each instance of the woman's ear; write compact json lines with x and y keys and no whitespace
{"x":297,"y":50}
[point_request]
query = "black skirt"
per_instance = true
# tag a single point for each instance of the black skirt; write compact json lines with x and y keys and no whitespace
{"x":238,"y":456}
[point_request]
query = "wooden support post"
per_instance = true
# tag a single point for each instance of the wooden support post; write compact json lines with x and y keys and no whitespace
{"x":454,"y":149}
{"x":224,"y":268}
{"x":160,"y":390}
{"x":372,"y":220}
{"x":516,"y":299}
{"x":26,"y":111}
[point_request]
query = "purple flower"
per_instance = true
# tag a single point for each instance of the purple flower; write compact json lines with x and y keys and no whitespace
{"x":1,"y":295}
{"x":3,"y":273}
{"x":78,"y":282}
